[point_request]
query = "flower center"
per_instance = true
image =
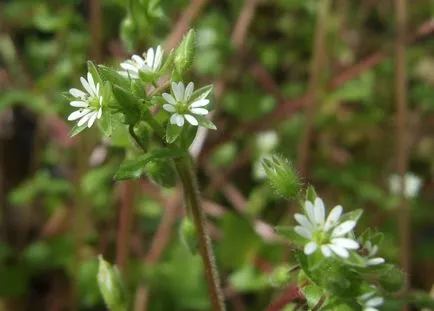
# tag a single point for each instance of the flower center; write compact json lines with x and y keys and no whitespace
{"x":321,"y":237}
{"x":182,"y":107}
{"x":93,"y":103}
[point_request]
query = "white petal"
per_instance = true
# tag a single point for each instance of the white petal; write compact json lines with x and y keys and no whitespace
{"x":199,"y":111}
{"x":344,"y":228}
{"x":303,"y":232}
{"x":375,"y":261}
{"x":180,"y":120}
{"x":78,"y":103}
{"x":169,"y":98}
{"x":366,"y":296}
{"x":84,"y":119}
{"x":346,"y":243}
{"x":192,"y":120}
{"x":308,"y":206}
{"x":92,"y":119}
{"x":375,"y":302}
{"x":178,"y":90}
{"x":78,"y":114}
{"x":169,"y":108}
{"x":319,"y":211}
{"x":173,"y":118}
{"x":87,"y":86}
{"x":92,"y":83}
{"x":326,"y":251}
{"x":99,"y":113}
{"x":310,"y":248}
{"x":340,"y":251}
{"x":129,"y":67}
{"x":77,"y":93}
{"x":302,"y":220}
{"x":97,"y":89}
{"x":333,"y":217}
{"x":188,"y":90}
{"x":138,"y":60}
{"x":158,"y":58}
{"x":150,"y":57}
{"x":370,"y":309}
{"x":199,"y":103}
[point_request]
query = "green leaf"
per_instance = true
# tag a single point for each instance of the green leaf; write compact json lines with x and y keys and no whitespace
{"x":313,"y":294}
{"x":290,"y":235}
{"x":201,"y":93}
{"x":127,"y":104}
{"x":133,"y":169}
{"x":205,"y":122}
{"x":112,"y":75}
{"x":172,"y":132}
{"x":187,"y":136}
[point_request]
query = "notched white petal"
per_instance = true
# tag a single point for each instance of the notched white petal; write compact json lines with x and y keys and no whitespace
{"x":310,"y":248}
{"x":199,"y":111}
{"x":169,"y":98}
{"x":344,"y":228}
{"x":199,"y":103}
{"x":77,"y":93}
{"x":192,"y":120}
{"x":169,"y":108}
{"x":78,"y":114}
{"x":303,"y":232}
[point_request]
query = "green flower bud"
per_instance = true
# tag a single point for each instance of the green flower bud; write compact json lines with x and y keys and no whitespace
{"x":111,"y":286}
{"x":161,"y":173}
{"x":282,"y":176}
{"x":188,"y":235}
{"x":392,"y":280}
{"x":280,"y":276}
{"x":185,"y":52}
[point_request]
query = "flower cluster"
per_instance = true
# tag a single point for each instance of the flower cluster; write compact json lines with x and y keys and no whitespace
{"x":329,"y":235}
{"x":150,"y":63}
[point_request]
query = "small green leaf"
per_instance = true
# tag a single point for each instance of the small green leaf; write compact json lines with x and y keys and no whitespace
{"x":133,"y":169}
{"x":187,"y":136}
{"x":311,"y":194}
{"x":290,"y":235}
{"x":112,"y":75}
{"x":313,"y":294}
{"x":205,"y":122}
{"x":127,"y":104}
{"x":172,"y":132}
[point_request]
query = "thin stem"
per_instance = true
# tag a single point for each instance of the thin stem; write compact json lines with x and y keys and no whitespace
{"x":195,"y":208}
{"x":136,"y":138}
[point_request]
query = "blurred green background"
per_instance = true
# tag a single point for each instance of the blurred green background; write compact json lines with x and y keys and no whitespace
{"x":60,"y":207}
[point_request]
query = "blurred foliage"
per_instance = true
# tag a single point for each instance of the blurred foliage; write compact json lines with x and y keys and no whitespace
{"x":60,"y":206}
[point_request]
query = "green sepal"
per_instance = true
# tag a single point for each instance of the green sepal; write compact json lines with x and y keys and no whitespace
{"x":184,"y":53}
{"x":77,"y":130}
{"x":172,"y":132}
{"x":205,"y":122}
{"x":110,"y":74}
{"x":201,"y":93}
{"x":353,"y":215}
{"x":290,"y":235}
{"x":94,"y":72}
{"x":311,"y":194}
{"x":127,"y":104}
{"x":134,"y":168}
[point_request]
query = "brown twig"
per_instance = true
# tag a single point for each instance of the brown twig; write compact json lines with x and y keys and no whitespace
{"x":95,"y":29}
{"x":404,"y":219}
{"x":291,"y":293}
{"x":243,"y":23}
{"x":318,"y":52}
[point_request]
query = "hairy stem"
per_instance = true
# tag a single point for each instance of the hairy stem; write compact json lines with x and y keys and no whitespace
{"x":195,"y":209}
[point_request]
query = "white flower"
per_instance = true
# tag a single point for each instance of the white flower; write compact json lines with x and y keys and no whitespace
{"x":412,"y":185}
{"x":372,"y":251}
{"x":181,"y":107}
{"x":89,"y":104}
{"x":150,"y":63}
{"x":369,"y":302}
{"x":325,"y":234}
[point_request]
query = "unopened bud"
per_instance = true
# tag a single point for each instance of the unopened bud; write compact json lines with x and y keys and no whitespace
{"x":185,"y":52}
{"x":282,"y":176}
{"x":392,"y":280}
{"x":111,"y":286}
{"x":188,"y":235}
{"x":280,"y":276}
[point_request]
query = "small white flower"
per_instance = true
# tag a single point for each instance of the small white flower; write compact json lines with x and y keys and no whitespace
{"x":181,"y":107}
{"x":412,"y":185}
{"x":89,"y":104}
{"x":150,"y":63}
{"x":329,"y":234}
{"x":372,"y":251}
{"x":370,"y":302}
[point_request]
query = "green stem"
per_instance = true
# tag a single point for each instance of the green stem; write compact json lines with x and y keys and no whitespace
{"x":195,"y":208}
{"x":136,"y":138}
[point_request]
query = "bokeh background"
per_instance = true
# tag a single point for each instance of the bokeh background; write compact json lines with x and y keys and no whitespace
{"x":341,"y":88}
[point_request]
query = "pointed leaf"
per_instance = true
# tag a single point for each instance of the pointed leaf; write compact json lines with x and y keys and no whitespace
{"x":172,"y":132}
{"x":94,"y":72}
{"x":205,"y":122}
{"x":201,"y":93}
{"x":77,"y":129}
{"x":290,"y":235}
{"x":112,"y":75}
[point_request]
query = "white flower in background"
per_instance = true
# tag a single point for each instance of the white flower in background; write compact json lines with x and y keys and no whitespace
{"x":329,"y":234}
{"x":89,"y":104}
{"x":180,"y":105}
{"x":370,"y":302}
{"x":267,"y":141}
{"x":412,"y":185}
{"x":150,"y":63}
{"x":372,"y":251}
